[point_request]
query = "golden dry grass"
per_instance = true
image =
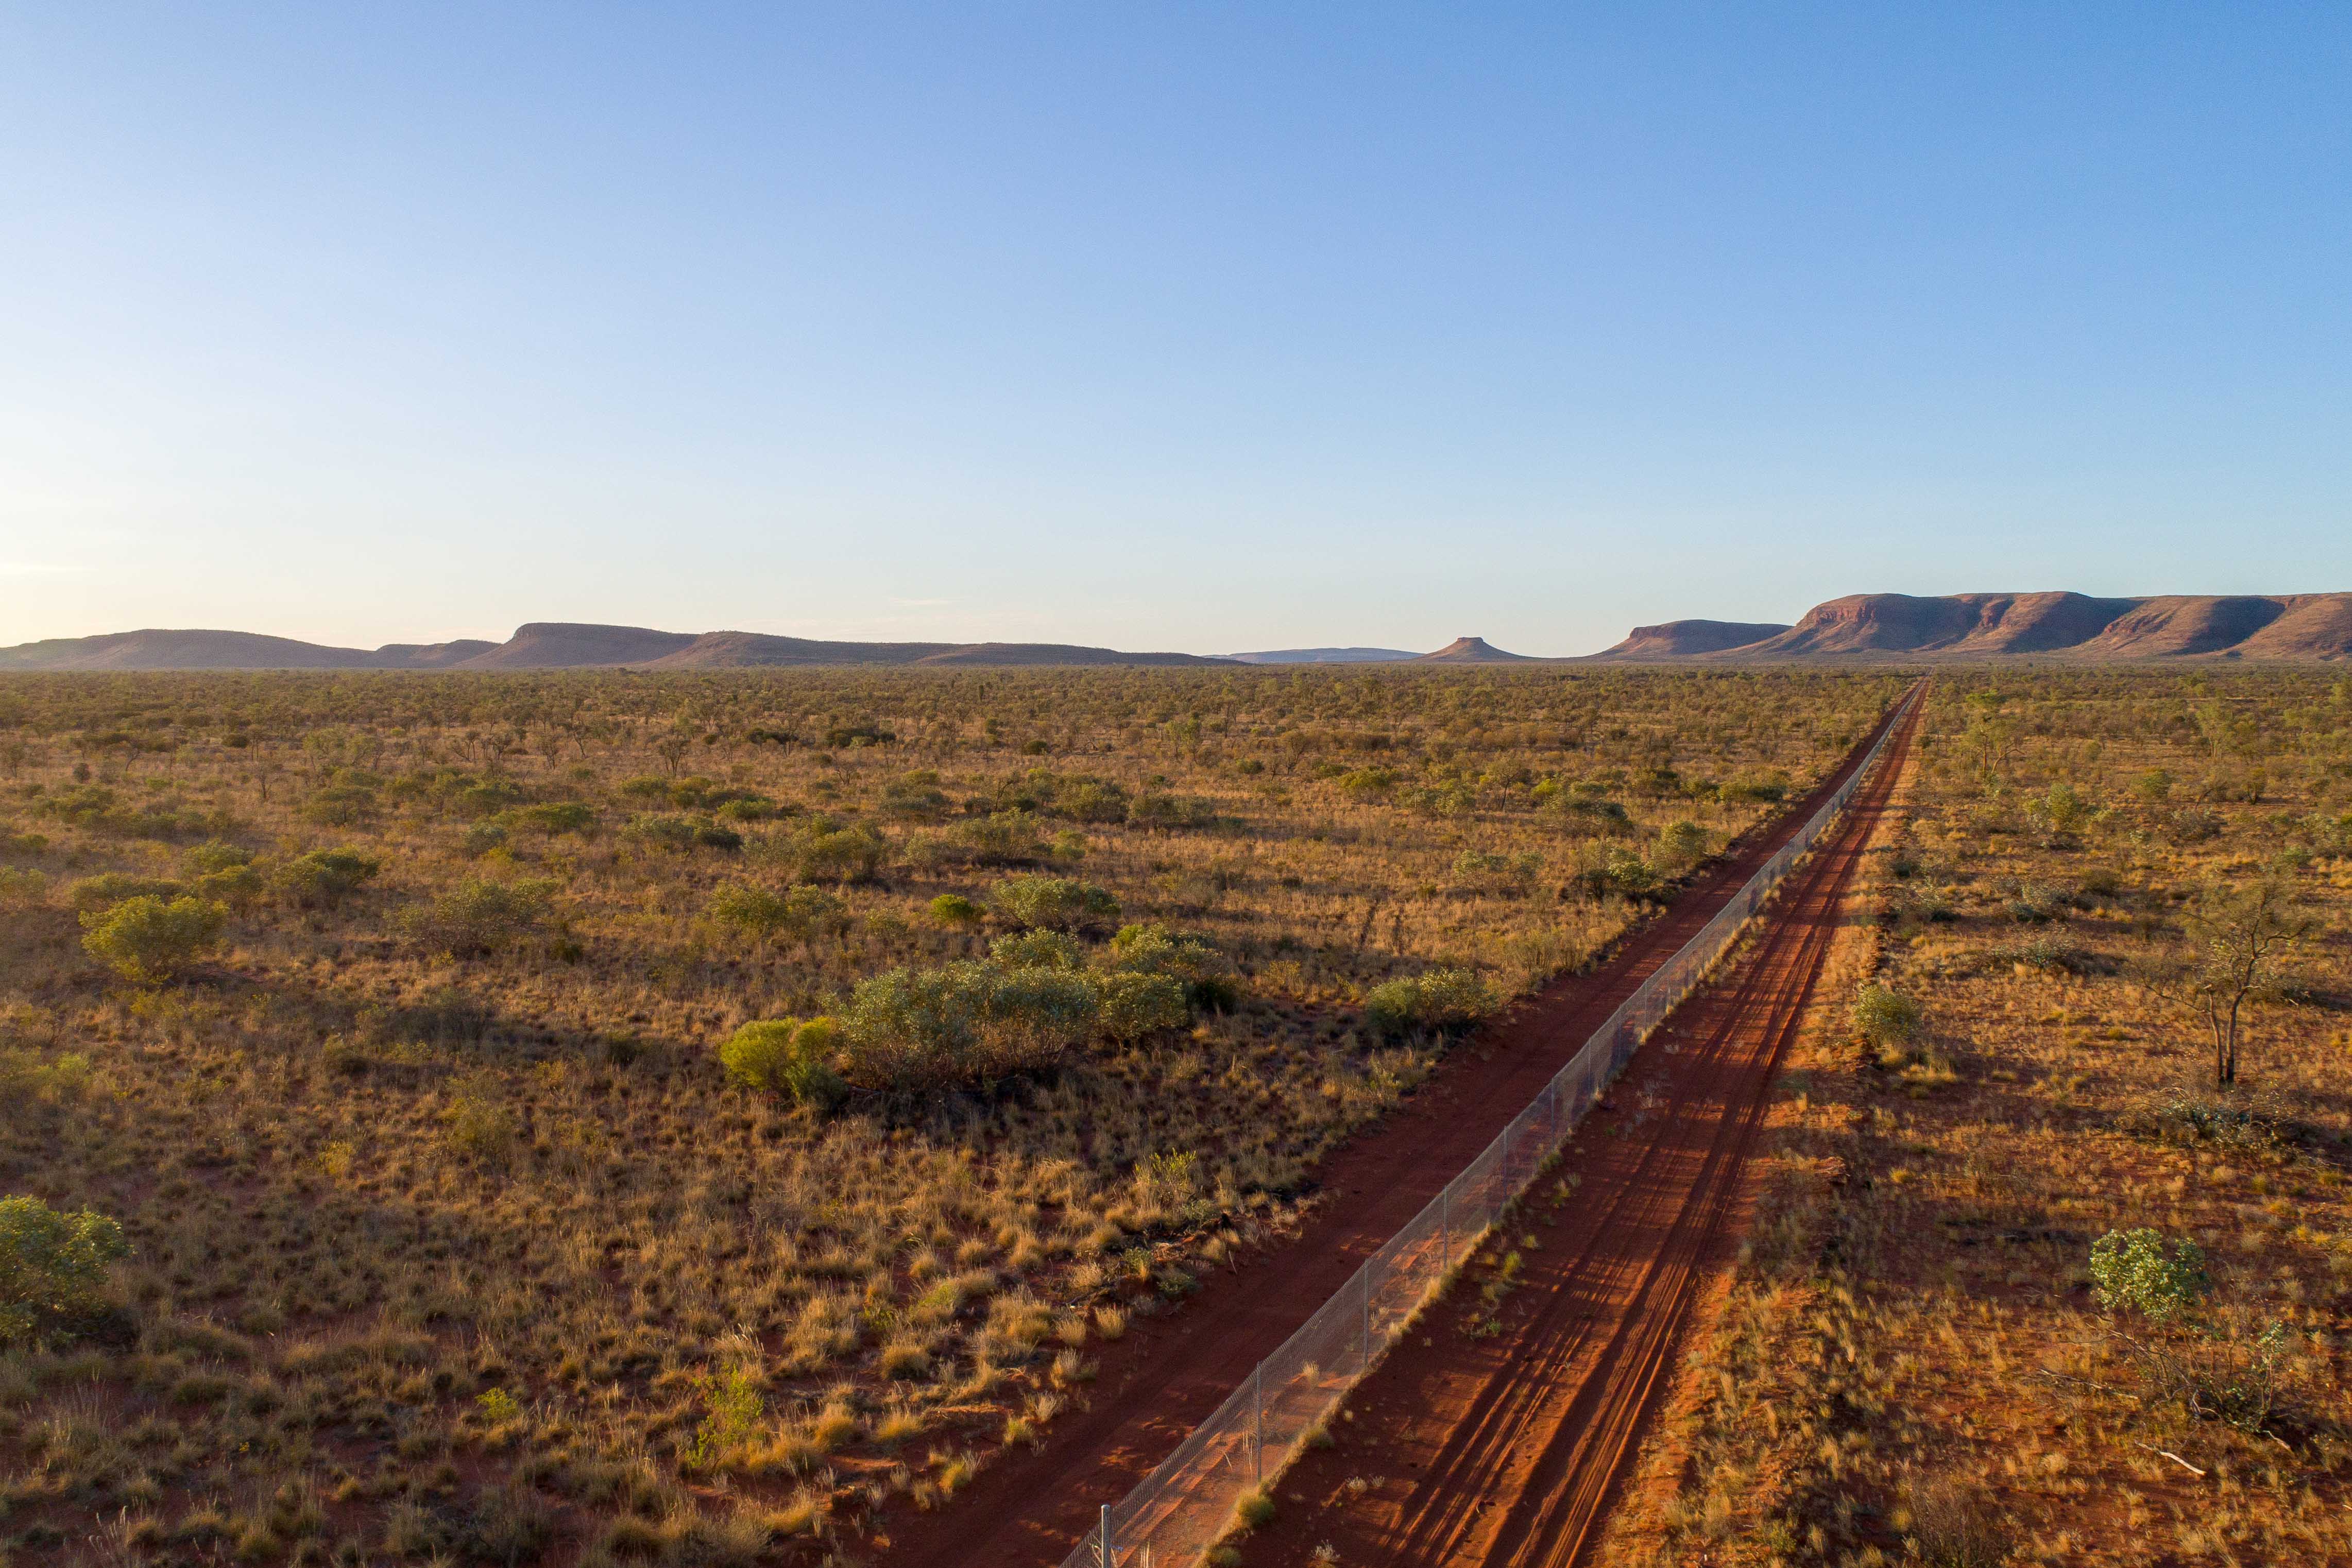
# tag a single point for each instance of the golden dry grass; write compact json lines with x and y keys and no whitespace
{"x":481,"y":1258}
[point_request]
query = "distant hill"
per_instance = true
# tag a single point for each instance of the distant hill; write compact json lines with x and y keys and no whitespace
{"x":1474,"y":650}
{"x":2295,"y":626}
{"x":544,"y":644}
{"x":1678,"y":638}
{"x":1326,"y":655}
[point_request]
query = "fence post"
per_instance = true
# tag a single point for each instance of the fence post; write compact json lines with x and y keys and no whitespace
{"x":1258,"y":1421}
{"x":1365,"y":1274}
{"x":1106,"y":1561}
{"x":1445,"y":1228}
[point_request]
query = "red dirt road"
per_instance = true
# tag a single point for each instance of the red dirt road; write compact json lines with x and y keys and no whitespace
{"x":1030,"y":1506}
{"x":1504,"y":1448}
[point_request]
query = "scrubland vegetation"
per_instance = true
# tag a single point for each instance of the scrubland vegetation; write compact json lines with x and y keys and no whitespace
{"x":467,"y":1119}
{"x":2055,"y":1259}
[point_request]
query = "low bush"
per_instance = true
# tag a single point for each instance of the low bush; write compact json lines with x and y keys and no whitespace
{"x":325,"y":878}
{"x":920,"y":1030}
{"x":479,"y":917}
{"x":1443,"y":999}
{"x":1886,"y":1018}
{"x":52,"y":1267}
{"x":789,"y":1057}
{"x":1059,"y":902}
{"x":111,"y":888}
{"x":145,"y":939}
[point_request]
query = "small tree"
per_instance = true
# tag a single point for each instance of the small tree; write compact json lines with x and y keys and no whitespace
{"x":145,"y":939}
{"x":2235,"y":940}
{"x":52,"y":1266}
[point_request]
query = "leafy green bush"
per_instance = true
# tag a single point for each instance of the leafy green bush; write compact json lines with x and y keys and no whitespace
{"x":955,"y":910}
{"x":213,"y":856}
{"x":111,"y":888}
{"x":479,"y":917}
{"x":1443,"y":999}
{"x":2130,"y":1269}
{"x":681,"y":834}
{"x":325,"y":877}
{"x":839,"y":855}
{"x":916,"y":1030}
{"x":1683,"y":844}
{"x":1037,"y":949}
{"x":1062,"y":903}
{"x":556,"y":816}
{"x":145,"y":939}
{"x":1199,"y":968}
{"x":788,"y":1057}
{"x":1885,"y":1017}
{"x":1092,"y":800}
{"x":1133,"y":1005}
{"x":52,"y":1266}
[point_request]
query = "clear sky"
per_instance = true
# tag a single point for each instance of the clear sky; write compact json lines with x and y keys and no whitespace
{"x":1159,"y":326}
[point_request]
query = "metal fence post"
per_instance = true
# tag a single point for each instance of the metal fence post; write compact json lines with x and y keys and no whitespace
{"x":1365,"y":1274}
{"x":1445,"y":1228}
{"x":1106,"y":1560}
{"x":1257,"y":1420}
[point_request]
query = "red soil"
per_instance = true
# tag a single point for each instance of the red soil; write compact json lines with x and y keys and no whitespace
{"x":1504,"y":1447}
{"x":1030,"y":1507}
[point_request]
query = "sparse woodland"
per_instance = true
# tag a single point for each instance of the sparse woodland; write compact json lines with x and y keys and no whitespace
{"x":2031,"y":1283}
{"x":615,"y":1118}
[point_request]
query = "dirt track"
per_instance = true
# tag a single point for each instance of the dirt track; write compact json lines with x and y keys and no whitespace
{"x":1030,"y":1506}
{"x":1505,"y":1449}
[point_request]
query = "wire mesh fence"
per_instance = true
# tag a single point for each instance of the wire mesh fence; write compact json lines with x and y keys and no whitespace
{"x":1177,"y":1513}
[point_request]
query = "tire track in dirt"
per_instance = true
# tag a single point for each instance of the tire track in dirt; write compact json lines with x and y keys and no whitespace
{"x":1505,"y":1449}
{"x":1030,"y":1507}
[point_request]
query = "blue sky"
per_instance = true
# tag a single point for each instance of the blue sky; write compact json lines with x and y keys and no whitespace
{"x":1162,"y":327}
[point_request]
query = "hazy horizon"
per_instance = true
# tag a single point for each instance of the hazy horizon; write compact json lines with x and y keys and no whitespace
{"x":1209,"y":331}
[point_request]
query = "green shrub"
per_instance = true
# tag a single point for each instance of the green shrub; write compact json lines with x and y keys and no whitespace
{"x":787,"y":1057}
{"x":915,"y":795}
{"x":111,"y":888}
{"x":1683,"y":844}
{"x":1092,"y":800}
{"x":145,"y":939}
{"x":1201,"y":969}
{"x":955,"y":909}
{"x":479,"y":917}
{"x":1133,"y":1005}
{"x":842,"y":855}
{"x":480,"y":837}
{"x":756,"y":911}
{"x":213,"y":856}
{"x":325,"y":877}
{"x":22,"y":888}
{"x":1002,"y":838}
{"x":1059,"y":902}
{"x":344,"y":804}
{"x":916,"y":1030}
{"x":2130,"y":1269}
{"x":1037,"y":949}
{"x":1769,"y":785}
{"x":556,"y":816}
{"x":1885,"y":1017}
{"x":681,"y":834}
{"x":1443,"y":999}
{"x":1367,"y":784}
{"x":52,"y":1266}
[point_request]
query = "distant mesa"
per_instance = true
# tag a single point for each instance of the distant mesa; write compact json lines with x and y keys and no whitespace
{"x":545,"y":645}
{"x":1473,"y":650}
{"x":1958,"y":627}
{"x":1327,"y":656}
{"x":1677,"y":639}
